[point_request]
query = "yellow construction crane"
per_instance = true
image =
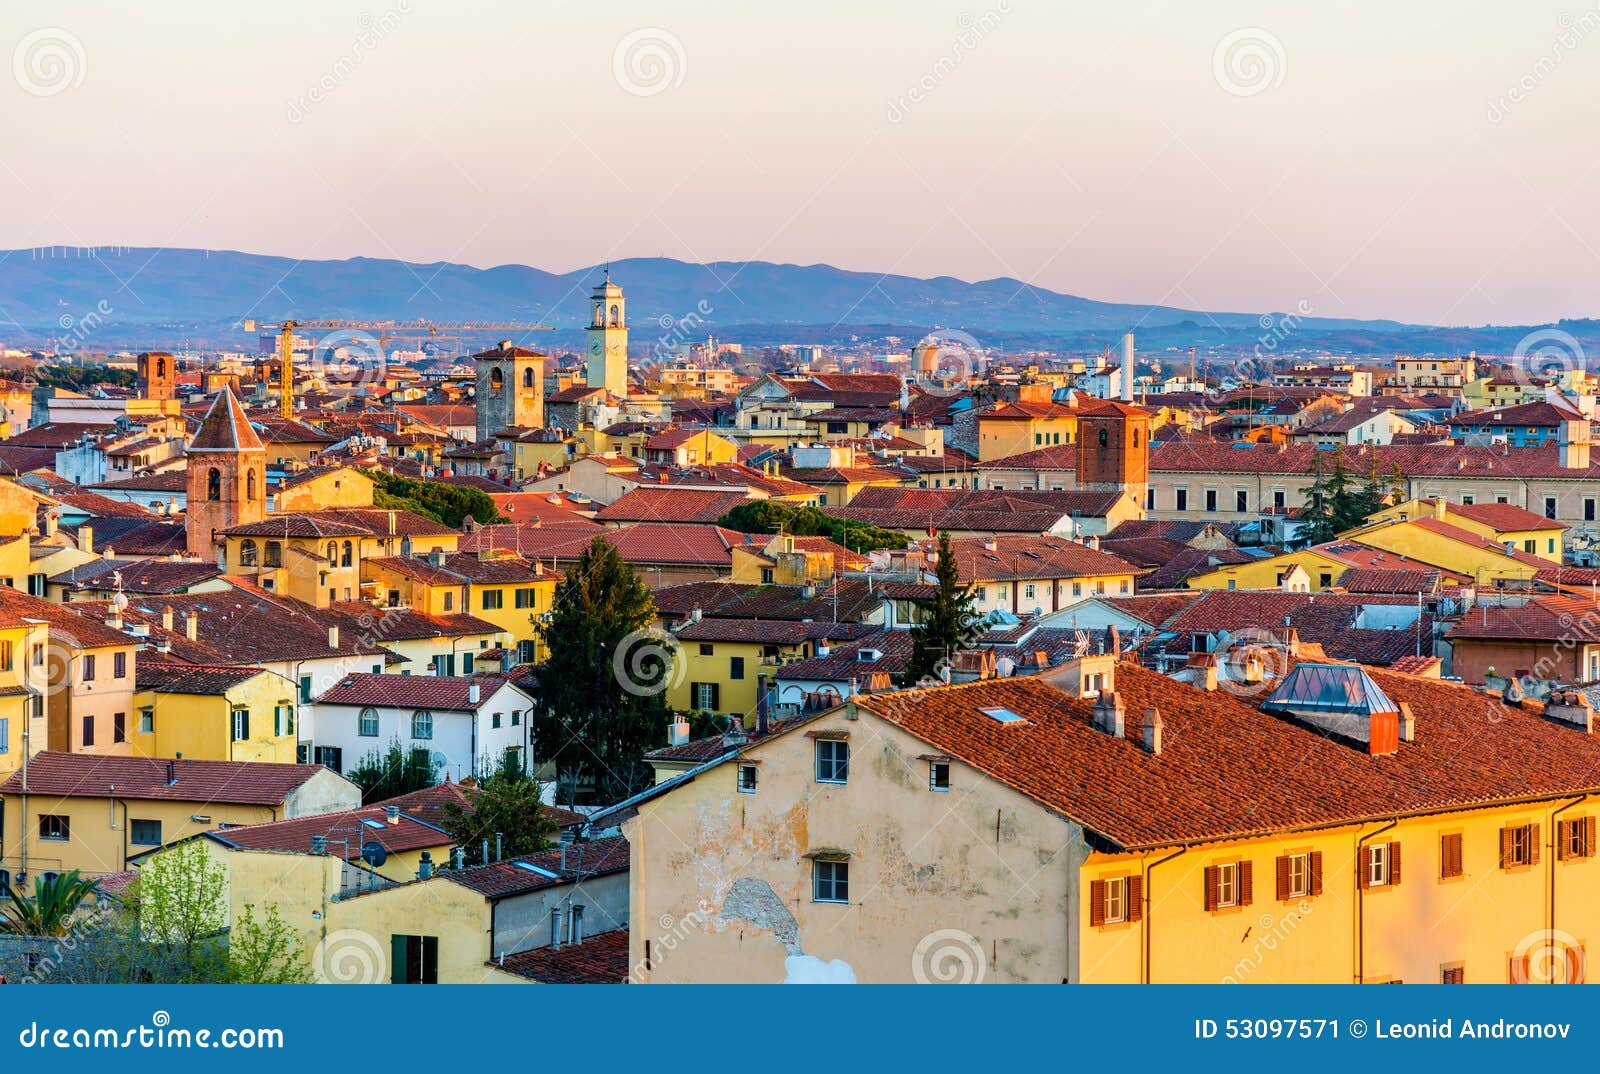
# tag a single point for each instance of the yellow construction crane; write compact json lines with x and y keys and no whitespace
{"x":382,"y":329}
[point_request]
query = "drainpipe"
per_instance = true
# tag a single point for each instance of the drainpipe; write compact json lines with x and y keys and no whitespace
{"x":1361,"y":902}
{"x":1555,"y":826}
{"x":1149,"y":903}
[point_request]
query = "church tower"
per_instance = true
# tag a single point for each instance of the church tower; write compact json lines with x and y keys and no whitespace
{"x":608,"y":339}
{"x":1114,"y":449}
{"x":227,"y":475}
{"x":156,"y":375}
{"x":510,"y":389}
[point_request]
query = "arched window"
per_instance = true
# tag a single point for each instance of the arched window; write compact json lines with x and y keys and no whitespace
{"x":422,"y":724}
{"x":344,"y":558}
{"x":213,"y":484}
{"x":616,"y":315}
{"x":527,"y":377}
{"x":249,"y":484}
{"x":161,"y":368}
{"x":599,"y":315}
{"x":247,"y":553}
{"x":1104,"y":438}
{"x":274,"y":554}
{"x":369,"y":723}
{"x":333,"y":553}
{"x":497,"y":381}
{"x":1136,"y":438}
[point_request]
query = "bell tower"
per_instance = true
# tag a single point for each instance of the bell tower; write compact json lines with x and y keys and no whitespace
{"x":608,"y":339}
{"x":1114,"y":449}
{"x":227,"y":475}
{"x":156,"y":375}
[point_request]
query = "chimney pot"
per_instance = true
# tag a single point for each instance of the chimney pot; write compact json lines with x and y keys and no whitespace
{"x":1152,"y":729}
{"x":333,"y":637}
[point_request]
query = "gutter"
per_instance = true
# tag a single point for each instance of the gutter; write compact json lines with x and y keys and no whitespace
{"x":1361,"y":902}
{"x":1555,"y":827}
{"x":1150,"y":905}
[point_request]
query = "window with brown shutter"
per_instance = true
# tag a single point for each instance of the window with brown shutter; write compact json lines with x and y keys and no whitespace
{"x":1575,"y":838}
{"x":1246,"y":885}
{"x":1394,"y":864}
{"x":1450,"y":856}
{"x":1453,"y":973}
{"x":1212,"y":874}
{"x":1283,"y":877}
{"x":1364,"y":868}
{"x":1379,"y":865}
{"x":1519,"y":846}
{"x":1316,"y":872}
{"x":1135,"y":898}
{"x":1097,"y":903}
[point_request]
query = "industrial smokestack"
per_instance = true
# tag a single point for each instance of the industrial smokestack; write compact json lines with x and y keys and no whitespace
{"x":1127,"y":367}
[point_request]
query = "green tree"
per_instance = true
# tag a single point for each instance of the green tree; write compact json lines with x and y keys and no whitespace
{"x":448,"y":504}
{"x":1335,"y":502}
{"x":48,"y":910}
{"x":266,"y":951}
{"x":396,"y":771}
{"x":947,"y":621}
{"x":772,"y":516}
{"x":506,"y":806}
{"x":182,"y":896}
{"x":602,"y":709}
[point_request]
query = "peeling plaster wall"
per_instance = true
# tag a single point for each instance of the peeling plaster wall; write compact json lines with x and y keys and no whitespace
{"x":980,"y":877}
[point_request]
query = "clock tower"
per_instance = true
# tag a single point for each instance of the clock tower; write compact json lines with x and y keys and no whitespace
{"x":608,"y":339}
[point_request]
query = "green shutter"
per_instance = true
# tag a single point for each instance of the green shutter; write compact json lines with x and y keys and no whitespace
{"x":397,"y":959}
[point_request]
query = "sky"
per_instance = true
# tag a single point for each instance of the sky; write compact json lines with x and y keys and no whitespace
{"x":1424,"y":161}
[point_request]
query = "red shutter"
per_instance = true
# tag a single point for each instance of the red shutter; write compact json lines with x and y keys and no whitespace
{"x":1135,"y":898}
{"x":1533,"y":844}
{"x":1588,"y":837}
{"x":1364,"y":868}
{"x":1394,"y":863}
{"x":1211,"y":887}
{"x":1508,"y":842}
{"x":1097,"y":903}
{"x":1283,"y":878}
{"x":1246,"y":887}
{"x":1316,"y":872}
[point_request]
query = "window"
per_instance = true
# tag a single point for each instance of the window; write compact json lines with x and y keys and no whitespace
{"x":516,"y":717}
{"x":1588,"y":509}
{"x":1027,"y":591}
{"x":346,"y":555}
{"x":938,"y":775}
{"x":1241,"y":500}
{"x":88,"y":667}
{"x":369,"y":723}
{"x":494,"y":719}
{"x":247,"y":553}
{"x":1150,"y":499}
{"x":1211,"y":500}
{"x":333,"y":553}
{"x":305,"y":689}
{"x":1277,"y":499}
{"x":1549,"y":507}
{"x":1575,"y":839}
{"x":1519,"y":846}
{"x":706,"y":649}
{"x":283,"y":719}
{"x":747,"y":779}
{"x":705,"y":695}
{"x":833,"y":760}
{"x":449,"y":601}
{"x":55,"y":827}
{"x":213,"y":484}
{"x":422,"y":724}
{"x":735,"y":667}
{"x":88,"y":730}
{"x":5,"y":734}
{"x":524,"y":598}
{"x":1180,"y":499}
{"x":414,"y":959}
{"x":274,"y":554}
{"x":1453,"y":973}
{"x":241,"y":724}
{"x":1116,"y":901}
{"x":830,"y":881}
{"x":119,"y":664}
{"x":1450,"y":864}
{"x":144,"y":833}
{"x":493,"y":600}
{"x":1228,"y":885}
{"x":330,"y":757}
{"x":38,"y":656}
{"x":147,"y":721}
{"x":1299,"y":875}
{"x":766,"y":576}
{"x":1380,"y":865}
{"x":119,"y":727}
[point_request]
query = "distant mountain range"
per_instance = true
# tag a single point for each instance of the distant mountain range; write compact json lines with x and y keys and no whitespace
{"x":139,"y":296}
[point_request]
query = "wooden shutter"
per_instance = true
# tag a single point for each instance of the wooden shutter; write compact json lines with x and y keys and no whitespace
{"x":1394,"y":863}
{"x":1211,"y":887}
{"x":1316,"y":872}
{"x":1135,"y":898}
{"x":1533,"y":844}
{"x":1508,"y":843}
{"x":1588,"y":837}
{"x":1450,"y":855}
{"x":1246,"y":887}
{"x":1097,"y":903}
{"x":1563,"y":838}
{"x":1455,"y":975}
{"x":397,"y":959}
{"x":1283,"y":877}
{"x":1364,"y":868}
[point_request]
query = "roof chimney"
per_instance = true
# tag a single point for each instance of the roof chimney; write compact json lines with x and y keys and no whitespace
{"x":166,"y":618}
{"x":678,"y":731}
{"x":86,"y":538}
{"x":391,"y":814}
{"x":1108,"y":713}
{"x":425,"y":866}
{"x":172,"y":773}
{"x":474,"y":693}
{"x":191,"y":625}
{"x":333,"y":637}
{"x":1152,"y":730}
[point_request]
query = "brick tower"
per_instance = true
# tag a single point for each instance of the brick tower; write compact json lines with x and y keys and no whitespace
{"x":156,"y":375}
{"x":510,"y":389}
{"x":227,"y":475}
{"x":1114,"y":449}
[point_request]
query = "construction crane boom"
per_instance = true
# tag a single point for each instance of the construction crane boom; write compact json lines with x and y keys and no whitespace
{"x":383,"y":328}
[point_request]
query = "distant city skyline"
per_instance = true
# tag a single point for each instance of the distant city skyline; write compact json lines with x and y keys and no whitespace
{"x":1425,"y":163}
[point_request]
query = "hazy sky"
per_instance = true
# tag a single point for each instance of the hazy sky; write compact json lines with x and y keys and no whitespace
{"x":1427,"y":161}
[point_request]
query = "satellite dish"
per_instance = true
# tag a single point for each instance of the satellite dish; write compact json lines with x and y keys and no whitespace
{"x":439,"y":759}
{"x":374,"y":854}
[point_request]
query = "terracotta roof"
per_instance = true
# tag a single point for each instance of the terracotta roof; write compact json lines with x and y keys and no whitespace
{"x":646,"y":542}
{"x":450,"y":693}
{"x":1502,"y":517}
{"x":845,"y":661}
{"x":980,"y":559}
{"x":1226,"y":769}
{"x":347,"y":831}
{"x":1549,"y":618}
{"x":771,"y":631}
{"x":58,"y":434}
{"x":226,"y":427}
{"x":646,"y":504}
{"x":1381,"y":580}
{"x":139,"y":575}
{"x":1414,"y":460}
{"x":86,"y":775}
{"x":456,"y":568}
{"x":600,"y":959}
{"x":191,"y":678}
{"x":558,"y":865}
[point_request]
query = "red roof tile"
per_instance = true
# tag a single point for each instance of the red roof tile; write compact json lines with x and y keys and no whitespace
{"x":600,"y":959}
{"x":84,"y":775}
